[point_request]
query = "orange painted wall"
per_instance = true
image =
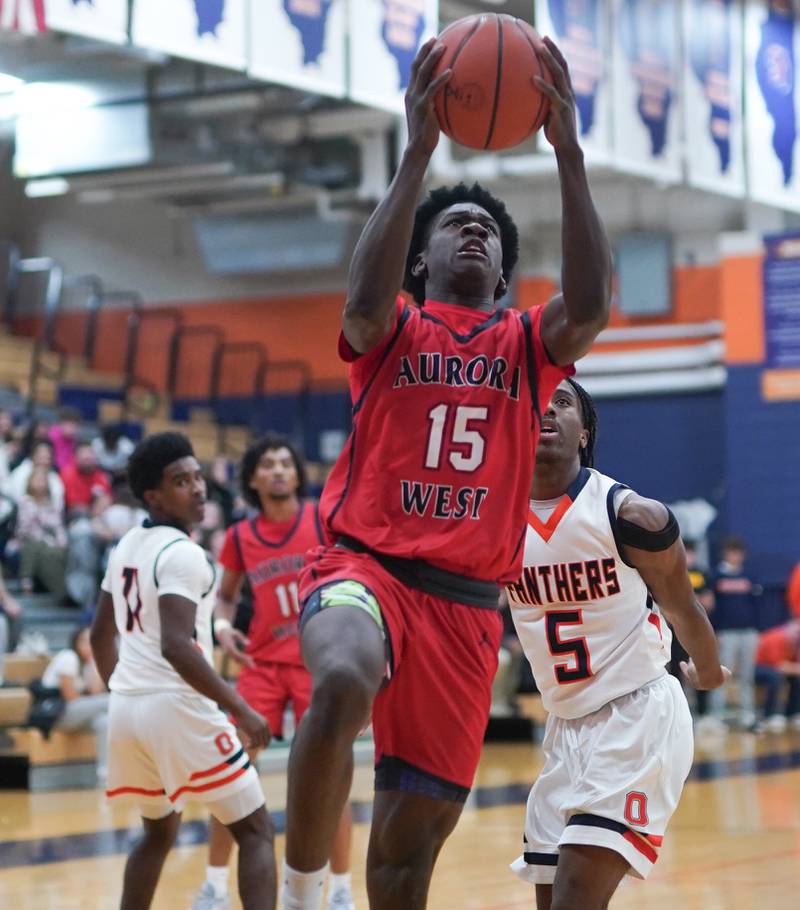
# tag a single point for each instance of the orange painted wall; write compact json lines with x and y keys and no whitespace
{"x":306,"y":328}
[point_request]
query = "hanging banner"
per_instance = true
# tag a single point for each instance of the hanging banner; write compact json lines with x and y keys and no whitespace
{"x":646,"y":70}
{"x":385,"y":36}
{"x":772,"y":40}
{"x":782,"y":300}
{"x":300,"y":43}
{"x":712,"y":101}
{"x":26,"y":16}
{"x":105,"y":20}
{"x":580,"y":29}
{"x":211,"y":31}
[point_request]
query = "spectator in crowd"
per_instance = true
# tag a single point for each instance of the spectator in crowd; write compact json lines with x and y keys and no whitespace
{"x":510,"y":661}
{"x":123,"y":513}
{"x":735,"y":619}
{"x":86,"y":485}
{"x":6,"y":438}
{"x":27,"y":438}
{"x":778,"y":665}
{"x":112,"y":450}
{"x":219,"y":487}
{"x":64,"y":436}
{"x":10,"y":612}
{"x":41,"y":538}
{"x":73,"y":672}
{"x":41,"y":459}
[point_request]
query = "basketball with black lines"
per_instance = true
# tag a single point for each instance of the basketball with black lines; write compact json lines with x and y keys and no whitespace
{"x":491,"y":100}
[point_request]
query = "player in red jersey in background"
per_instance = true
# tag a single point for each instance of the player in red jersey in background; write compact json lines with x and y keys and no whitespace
{"x":399,"y":615}
{"x":269,"y":551}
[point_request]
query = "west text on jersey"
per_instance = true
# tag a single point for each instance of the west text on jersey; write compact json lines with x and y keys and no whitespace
{"x":435,"y":368}
{"x":568,"y":583}
{"x":440,"y":500}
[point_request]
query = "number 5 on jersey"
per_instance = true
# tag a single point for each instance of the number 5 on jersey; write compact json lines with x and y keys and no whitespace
{"x":579,"y":667}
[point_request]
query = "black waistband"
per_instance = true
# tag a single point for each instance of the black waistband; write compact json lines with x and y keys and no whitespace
{"x":416,"y":573}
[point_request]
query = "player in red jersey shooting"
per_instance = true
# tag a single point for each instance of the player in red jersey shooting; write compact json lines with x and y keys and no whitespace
{"x":399,"y":616}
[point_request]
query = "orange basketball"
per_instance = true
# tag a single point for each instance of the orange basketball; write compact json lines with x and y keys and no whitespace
{"x":491,"y":101}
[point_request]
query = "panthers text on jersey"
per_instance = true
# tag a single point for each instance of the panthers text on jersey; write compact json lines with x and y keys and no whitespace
{"x":585,"y":618}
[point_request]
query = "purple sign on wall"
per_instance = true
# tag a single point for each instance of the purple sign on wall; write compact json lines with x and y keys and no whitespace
{"x":782,"y":300}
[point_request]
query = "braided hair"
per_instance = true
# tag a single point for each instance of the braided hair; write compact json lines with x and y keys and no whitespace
{"x":589,"y":422}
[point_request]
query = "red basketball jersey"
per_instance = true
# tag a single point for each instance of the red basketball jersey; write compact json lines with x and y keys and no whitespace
{"x":439,"y":462}
{"x":271,"y":554}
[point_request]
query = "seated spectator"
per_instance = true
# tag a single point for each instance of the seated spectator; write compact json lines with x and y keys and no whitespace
{"x":42,"y":460}
{"x":41,"y":538}
{"x":112,"y":450}
{"x":27,"y":437}
{"x":6,"y":437}
{"x":64,"y":436}
{"x":10,"y":612}
{"x":778,"y":665}
{"x":119,"y":517}
{"x":73,"y":672}
{"x":86,"y":485}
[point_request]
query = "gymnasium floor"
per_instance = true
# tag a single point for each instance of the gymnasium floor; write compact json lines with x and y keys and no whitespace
{"x":733,"y":845}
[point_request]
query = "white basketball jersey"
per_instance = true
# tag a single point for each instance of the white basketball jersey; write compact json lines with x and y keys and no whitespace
{"x":150,"y":561}
{"x":585,"y":618}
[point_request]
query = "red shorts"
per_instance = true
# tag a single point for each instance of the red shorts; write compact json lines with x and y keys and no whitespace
{"x":269,"y":688}
{"x":429,"y":720}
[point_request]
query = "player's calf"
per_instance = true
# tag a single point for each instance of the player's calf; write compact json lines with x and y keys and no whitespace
{"x":146,"y":861}
{"x":587,"y":877}
{"x":255,"y":837}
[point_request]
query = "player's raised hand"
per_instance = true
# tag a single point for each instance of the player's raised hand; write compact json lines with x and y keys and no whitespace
{"x":234,"y":643}
{"x":423,"y":124}
{"x":689,"y":670}
{"x":561,"y":126}
{"x":253,"y":728}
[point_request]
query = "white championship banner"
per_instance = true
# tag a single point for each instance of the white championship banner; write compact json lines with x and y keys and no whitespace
{"x":301,"y":43}
{"x":211,"y":31}
{"x":581,"y":30}
{"x":772,"y":98}
{"x":385,"y":36}
{"x":105,"y":20}
{"x":646,"y":78}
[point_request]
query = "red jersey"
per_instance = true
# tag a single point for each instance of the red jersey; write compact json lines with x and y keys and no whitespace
{"x":271,"y":554}
{"x":439,"y":462}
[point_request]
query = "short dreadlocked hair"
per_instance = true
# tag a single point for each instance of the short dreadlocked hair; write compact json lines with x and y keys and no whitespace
{"x":589,"y":422}
{"x":253,"y":455}
{"x":437,"y":201}
{"x":151,"y":456}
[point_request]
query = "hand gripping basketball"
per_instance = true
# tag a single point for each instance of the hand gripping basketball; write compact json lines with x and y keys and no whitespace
{"x":423,"y":125}
{"x":560,"y":127}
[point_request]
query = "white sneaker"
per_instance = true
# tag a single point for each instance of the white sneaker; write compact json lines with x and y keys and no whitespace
{"x":775,"y":724}
{"x":794,"y":722}
{"x":341,"y":900}
{"x":709,"y":725}
{"x":206,"y":899}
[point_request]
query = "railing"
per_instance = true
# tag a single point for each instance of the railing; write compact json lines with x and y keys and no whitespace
{"x":259,"y":376}
{"x":176,"y":349}
{"x":9,"y":257}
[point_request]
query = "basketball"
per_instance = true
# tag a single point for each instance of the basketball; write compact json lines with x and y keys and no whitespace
{"x":491,"y":101}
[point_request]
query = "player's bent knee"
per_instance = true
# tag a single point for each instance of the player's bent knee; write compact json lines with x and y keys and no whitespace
{"x":161,"y":832}
{"x":342,"y":695}
{"x":256,"y":826}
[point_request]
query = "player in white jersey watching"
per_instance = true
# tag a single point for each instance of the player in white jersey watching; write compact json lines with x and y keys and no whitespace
{"x":168,"y":739}
{"x":601,"y":563}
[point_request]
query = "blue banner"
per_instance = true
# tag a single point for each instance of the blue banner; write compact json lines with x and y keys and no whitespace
{"x":782,"y":300}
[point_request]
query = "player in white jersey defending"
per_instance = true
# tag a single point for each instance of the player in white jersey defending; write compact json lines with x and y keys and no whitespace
{"x":601,"y":563}
{"x":168,"y":739}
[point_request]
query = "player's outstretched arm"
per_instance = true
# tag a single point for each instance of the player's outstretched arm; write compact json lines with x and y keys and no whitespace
{"x":654,"y":548}
{"x":376,"y":269}
{"x":177,"y":616}
{"x":573,"y":319}
{"x":103,"y":637}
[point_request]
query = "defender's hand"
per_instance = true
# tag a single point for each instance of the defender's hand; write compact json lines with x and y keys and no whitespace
{"x":690,"y":672}
{"x":253,"y":728}
{"x":561,"y":126}
{"x":423,"y":124}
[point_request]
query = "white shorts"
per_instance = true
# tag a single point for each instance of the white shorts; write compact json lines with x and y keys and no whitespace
{"x":169,"y":747}
{"x":611,"y":779}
